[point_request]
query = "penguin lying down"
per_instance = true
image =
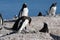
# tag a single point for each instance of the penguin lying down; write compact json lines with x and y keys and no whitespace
{"x":19,"y":25}
{"x":45,"y":28}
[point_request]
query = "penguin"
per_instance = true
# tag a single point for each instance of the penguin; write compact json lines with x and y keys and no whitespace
{"x":20,"y":24}
{"x":1,"y":19}
{"x":52,"y":9}
{"x":24,"y":10}
{"x":45,"y":28}
{"x":40,"y":14}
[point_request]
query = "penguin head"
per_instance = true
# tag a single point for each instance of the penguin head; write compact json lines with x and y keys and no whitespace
{"x":40,"y":14}
{"x":54,"y":4}
{"x":24,"y":5}
{"x":45,"y":24}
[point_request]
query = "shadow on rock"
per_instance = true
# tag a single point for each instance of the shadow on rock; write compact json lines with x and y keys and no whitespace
{"x":55,"y":37}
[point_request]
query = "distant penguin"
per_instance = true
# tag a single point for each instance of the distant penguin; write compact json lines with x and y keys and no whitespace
{"x":1,"y":19}
{"x":24,"y":11}
{"x":20,"y":24}
{"x":40,"y":14}
{"x":52,"y":10}
{"x":44,"y":29}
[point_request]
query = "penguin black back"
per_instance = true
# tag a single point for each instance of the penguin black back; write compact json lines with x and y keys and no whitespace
{"x":53,"y":5}
{"x":24,"y":6}
{"x":40,"y":14}
{"x":44,"y":29}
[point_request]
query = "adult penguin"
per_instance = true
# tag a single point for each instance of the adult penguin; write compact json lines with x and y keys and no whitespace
{"x":24,"y":10}
{"x":52,"y":10}
{"x":40,"y":14}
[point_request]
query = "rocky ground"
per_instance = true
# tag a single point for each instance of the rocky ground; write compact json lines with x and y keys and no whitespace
{"x":36,"y":25}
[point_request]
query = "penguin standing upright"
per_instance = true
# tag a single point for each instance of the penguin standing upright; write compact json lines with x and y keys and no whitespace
{"x":1,"y":19}
{"x":45,"y":28}
{"x":24,"y":11}
{"x":52,"y":9}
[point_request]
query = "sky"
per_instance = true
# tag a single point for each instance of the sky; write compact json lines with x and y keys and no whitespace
{"x":10,"y":8}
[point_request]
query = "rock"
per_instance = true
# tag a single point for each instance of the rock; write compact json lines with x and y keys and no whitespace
{"x":36,"y":25}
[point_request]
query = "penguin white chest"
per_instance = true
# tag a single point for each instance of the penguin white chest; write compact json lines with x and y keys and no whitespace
{"x":25,"y":23}
{"x":25,"y":12}
{"x":53,"y":11}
